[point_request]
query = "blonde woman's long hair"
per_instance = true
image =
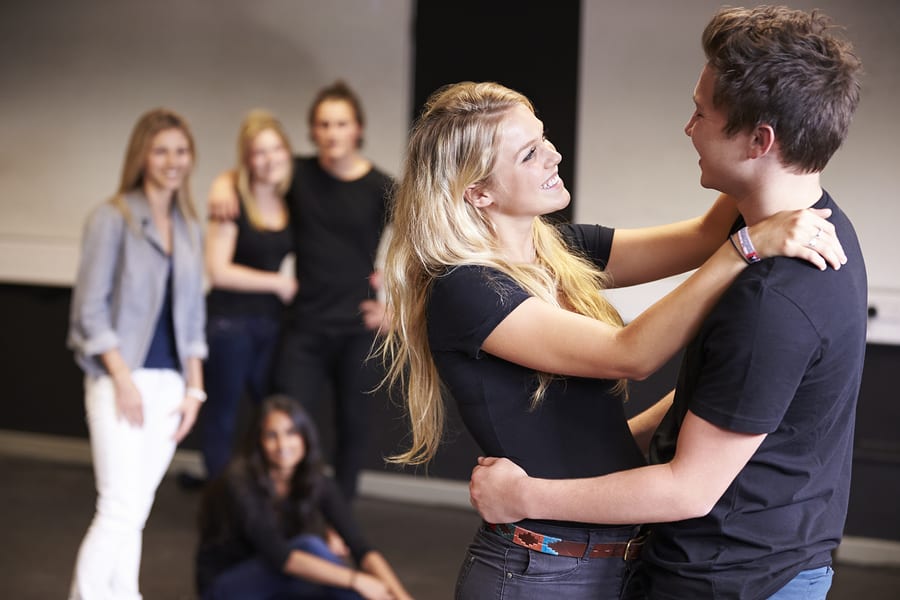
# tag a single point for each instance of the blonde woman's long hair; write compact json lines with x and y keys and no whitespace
{"x":454,"y":145}
{"x":254,"y":123}
{"x":148,"y":125}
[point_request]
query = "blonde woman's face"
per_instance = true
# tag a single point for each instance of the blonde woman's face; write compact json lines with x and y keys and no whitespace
{"x":525,"y":181}
{"x":269,"y":159}
{"x":169,"y":161}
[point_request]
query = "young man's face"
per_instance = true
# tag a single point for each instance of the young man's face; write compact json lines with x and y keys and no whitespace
{"x":335,"y":130}
{"x":721,"y":156}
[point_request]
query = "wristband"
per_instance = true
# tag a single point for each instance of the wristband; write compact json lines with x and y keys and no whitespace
{"x":737,"y":248}
{"x":747,"y":249}
{"x":195,"y":393}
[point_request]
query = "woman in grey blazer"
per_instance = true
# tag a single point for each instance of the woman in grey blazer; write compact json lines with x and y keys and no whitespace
{"x":137,"y":330}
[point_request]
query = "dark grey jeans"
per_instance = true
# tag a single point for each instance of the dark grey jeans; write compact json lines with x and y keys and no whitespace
{"x":497,"y":569}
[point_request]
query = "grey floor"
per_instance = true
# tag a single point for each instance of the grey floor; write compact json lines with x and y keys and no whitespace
{"x":45,"y":508}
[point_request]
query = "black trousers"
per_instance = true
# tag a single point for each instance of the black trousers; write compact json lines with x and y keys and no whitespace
{"x":315,"y":367}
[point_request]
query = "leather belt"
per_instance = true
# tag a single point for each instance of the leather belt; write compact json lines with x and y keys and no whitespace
{"x":547,"y":544}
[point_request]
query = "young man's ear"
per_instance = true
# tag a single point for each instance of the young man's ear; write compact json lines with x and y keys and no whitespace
{"x":477,"y":195}
{"x":762,"y":141}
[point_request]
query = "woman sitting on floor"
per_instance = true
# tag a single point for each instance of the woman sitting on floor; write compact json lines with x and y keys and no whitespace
{"x":263,"y":524}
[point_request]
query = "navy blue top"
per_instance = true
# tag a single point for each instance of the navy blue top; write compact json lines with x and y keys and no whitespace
{"x":781,"y":354}
{"x":578,"y":430}
{"x":163,"y":353}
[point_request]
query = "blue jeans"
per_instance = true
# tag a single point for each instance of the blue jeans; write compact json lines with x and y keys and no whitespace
{"x":497,"y":569}
{"x":240,"y":360}
{"x":807,"y":585}
{"x":255,"y":579}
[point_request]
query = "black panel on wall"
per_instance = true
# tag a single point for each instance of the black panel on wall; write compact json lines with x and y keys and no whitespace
{"x":524,"y":44}
{"x":875,"y":493}
{"x":42,"y":386}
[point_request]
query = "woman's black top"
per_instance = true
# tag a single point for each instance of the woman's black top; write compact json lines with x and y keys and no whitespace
{"x":239,"y":520}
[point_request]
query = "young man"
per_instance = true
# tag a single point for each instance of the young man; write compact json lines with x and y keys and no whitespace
{"x":752,"y":460}
{"x":338,"y":205}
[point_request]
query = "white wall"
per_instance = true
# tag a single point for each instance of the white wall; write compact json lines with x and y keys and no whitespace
{"x":640,"y":61}
{"x":74,"y":77}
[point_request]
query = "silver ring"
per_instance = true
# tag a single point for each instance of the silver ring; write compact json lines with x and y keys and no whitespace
{"x":818,"y":233}
{"x":812,"y":243}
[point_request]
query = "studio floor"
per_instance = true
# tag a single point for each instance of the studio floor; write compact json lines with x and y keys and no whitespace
{"x":46,"y":506}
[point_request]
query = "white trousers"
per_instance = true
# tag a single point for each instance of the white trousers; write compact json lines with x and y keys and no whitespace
{"x":129,"y":463}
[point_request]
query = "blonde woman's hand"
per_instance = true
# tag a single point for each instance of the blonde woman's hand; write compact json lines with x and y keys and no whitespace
{"x":804,"y":234}
{"x":188,"y":410}
{"x":287,"y":288}
{"x":129,"y":404}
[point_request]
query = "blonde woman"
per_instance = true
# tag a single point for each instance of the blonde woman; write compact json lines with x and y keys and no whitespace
{"x":504,"y":313}
{"x":338,"y":204}
{"x":245,"y":304}
{"x":136,"y":328}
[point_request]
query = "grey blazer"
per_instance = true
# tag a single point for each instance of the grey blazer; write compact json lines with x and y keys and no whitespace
{"x":121,"y":285}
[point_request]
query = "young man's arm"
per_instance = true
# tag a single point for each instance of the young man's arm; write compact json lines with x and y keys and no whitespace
{"x":707,"y":460}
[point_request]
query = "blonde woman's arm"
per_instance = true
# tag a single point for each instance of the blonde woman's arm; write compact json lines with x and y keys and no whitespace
{"x":224,"y":273}
{"x":129,"y":404}
{"x":546,"y":338}
{"x":194,"y":395}
{"x":650,"y":253}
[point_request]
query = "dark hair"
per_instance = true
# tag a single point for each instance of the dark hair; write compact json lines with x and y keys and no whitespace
{"x":337,"y":91}
{"x":248,"y":474}
{"x":787,"y":69}
{"x":306,"y":483}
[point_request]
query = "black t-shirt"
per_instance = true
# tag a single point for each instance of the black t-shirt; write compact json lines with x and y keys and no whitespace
{"x":781,"y":354}
{"x":578,"y":430}
{"x":240,"y":521}
{"x":262,"y":249}
{"x":337,"y":226}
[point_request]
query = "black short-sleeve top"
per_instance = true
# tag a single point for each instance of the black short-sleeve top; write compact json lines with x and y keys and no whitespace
{"x":578,"y":430}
